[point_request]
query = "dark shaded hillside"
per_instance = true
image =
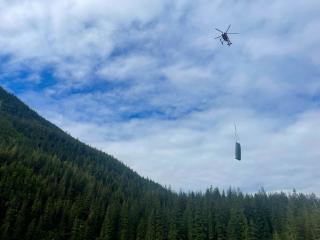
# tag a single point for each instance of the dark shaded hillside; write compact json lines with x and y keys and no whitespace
{"x":61,"y":180}
{"x":54,"y":187}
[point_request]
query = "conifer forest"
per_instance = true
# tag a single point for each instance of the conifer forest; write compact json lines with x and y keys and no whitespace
{"x":52,"y":186}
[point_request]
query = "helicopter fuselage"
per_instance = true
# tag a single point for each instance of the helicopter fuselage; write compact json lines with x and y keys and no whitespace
{"x":225,"y":37}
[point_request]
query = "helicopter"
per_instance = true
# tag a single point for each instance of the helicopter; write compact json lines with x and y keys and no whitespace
{"x":224,"y":36}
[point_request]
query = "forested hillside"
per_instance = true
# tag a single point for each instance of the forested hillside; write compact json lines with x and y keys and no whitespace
{"x":52,"y":186}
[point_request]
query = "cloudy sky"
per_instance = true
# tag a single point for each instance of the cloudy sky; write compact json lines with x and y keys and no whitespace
{"x":146,"y":82}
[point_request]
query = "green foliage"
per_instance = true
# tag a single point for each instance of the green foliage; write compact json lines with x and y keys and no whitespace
{"x":55,"y":187}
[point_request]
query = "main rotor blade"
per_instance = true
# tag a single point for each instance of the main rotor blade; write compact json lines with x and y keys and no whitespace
{"x":228,"y":28}
{"x":233,"y":33}
{"x":217,"y":37}
{"x":218,"y":30}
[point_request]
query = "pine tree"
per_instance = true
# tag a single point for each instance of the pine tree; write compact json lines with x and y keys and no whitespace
{"x":199,"y":231}
{"x":124,"y":228}
{"x":276,"y":236}
{"x":31,"y":230}
{"x":109,"y":229}
{"x":6,"y":229}
{"x":78,"y":230}
{"x":92,"y":225}
{"x":251,"y":231}
{"x":237,"y":226}
{"x":141,"y":229}
{"x":316,"y":223}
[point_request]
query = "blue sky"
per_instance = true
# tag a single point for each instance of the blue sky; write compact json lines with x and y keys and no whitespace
{"x":146,"y":82}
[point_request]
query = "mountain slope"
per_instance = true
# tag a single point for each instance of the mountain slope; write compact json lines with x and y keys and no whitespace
{"x":55,"y":176}
{"x":54,"y":187}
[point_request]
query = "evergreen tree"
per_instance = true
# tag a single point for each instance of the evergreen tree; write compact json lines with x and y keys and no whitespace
{"x":141,"y":229}
{"x":125,"y":228}
{"x":237,"y":226}
{"x":276,"y":236}
{"x":199,"y":231}
{"x":252,"y":231}
{"x":109,"y":230}
{"x":78,"y":230}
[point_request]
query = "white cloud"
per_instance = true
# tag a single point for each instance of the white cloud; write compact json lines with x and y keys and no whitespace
{"x":70,"y":33}
{"x":197,"y":151}
{"x":158,"y":60}
{"x":128,"y":68}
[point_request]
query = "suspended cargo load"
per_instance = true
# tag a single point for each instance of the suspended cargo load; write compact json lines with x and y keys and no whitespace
{"x":238,"y":151}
